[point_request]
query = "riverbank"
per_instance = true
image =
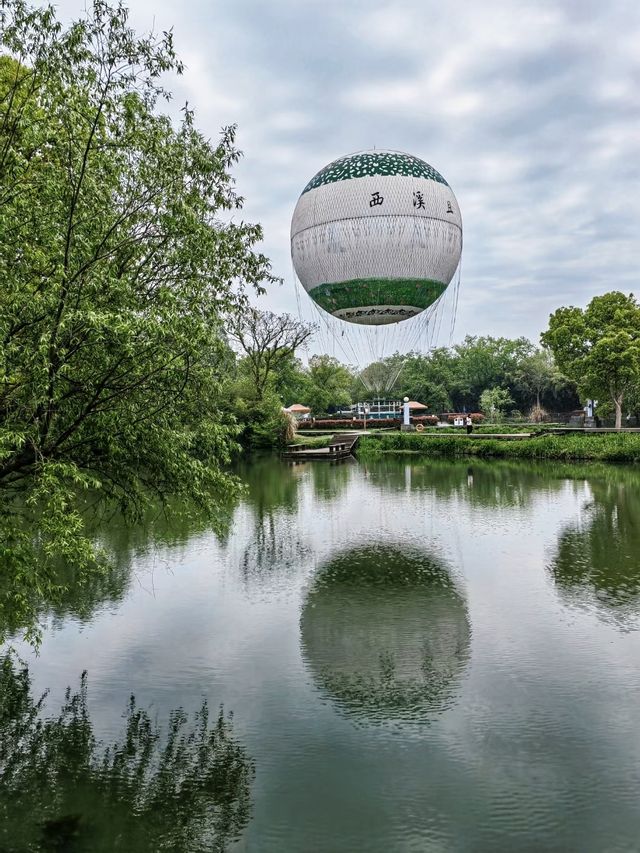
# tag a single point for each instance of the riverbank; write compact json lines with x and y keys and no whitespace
{"x":605,"y":447}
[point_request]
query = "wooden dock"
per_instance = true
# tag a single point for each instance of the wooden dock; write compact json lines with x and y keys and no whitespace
{"x":341,"y":446}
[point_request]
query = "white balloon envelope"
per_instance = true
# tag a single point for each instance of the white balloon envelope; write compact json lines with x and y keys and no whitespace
{"x":376,"y":237}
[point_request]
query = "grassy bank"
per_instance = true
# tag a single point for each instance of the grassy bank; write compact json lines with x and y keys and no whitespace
{"x":607,"y":447}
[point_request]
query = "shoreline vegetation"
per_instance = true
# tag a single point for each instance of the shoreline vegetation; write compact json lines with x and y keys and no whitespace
{"x":622,"y":447}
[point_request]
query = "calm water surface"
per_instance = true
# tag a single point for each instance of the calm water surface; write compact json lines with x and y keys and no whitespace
{"x":418,"y":656}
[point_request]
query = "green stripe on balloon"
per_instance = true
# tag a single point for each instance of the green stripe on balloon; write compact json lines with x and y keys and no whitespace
{"x":357,"y":292}
{"x":367,"y":164}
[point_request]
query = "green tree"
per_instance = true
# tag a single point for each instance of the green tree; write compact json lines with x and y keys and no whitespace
{"x":494,"y":402}
{"x":266,"y":372}
{"x":599,"y":347}
{"x":267,"y":341}
{"x":429,"y":379}
{"x":448,"y":379}
{"x":538,"y":382}
{"x":117,"y":273}
{"x":377,"y":378}
{"x":329,"y":384}
{"x":264,"y":422}
{"x":487,"y":362}
{"x":290,"y":381}
{"x":536,"y":373}
{"x":633,"y":403}
{"x":426,"y":378}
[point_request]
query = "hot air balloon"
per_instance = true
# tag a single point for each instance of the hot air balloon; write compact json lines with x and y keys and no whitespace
{"x":376,"y":237}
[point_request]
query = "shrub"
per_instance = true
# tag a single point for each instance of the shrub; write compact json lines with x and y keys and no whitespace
{"x":265,"y":423}
{"x":605,"y":447}
{"x":494,"y":402}
{"x":427,"y":420}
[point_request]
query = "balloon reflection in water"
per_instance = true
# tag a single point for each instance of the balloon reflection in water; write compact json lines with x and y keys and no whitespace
{"x":386,"y":633}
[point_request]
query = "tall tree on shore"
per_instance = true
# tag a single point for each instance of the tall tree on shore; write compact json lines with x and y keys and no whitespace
{"x":116,"y":273}
{"x":486,"y":362}
{"x":268,"y":341}
{"x":599,"y":347}
{"x":430,"y":379}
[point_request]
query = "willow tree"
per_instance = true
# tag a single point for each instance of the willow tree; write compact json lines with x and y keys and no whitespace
{"x":117,"y":266}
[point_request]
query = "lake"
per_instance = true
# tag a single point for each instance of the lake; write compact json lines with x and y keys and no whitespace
{"x":418,"y":656}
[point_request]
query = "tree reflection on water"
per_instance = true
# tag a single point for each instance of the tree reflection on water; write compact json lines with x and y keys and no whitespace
{"x":62,"y":790}
{"x":496,"y":484}
{"x":121,"y":542}
{"x":597,"y":561}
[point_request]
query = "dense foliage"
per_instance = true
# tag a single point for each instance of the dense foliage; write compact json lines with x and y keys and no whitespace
{"x":454,"y":379}
{"x":517,"y":376}
{"x":117,"y":273}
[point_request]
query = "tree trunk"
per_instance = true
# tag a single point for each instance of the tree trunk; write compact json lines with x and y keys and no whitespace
{"x":618,"y":405}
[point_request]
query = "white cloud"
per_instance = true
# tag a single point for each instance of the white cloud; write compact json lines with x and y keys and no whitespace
{"x":529,"y":110}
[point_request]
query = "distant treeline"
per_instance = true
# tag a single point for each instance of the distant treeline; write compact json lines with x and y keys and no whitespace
{"x":494,"y":375}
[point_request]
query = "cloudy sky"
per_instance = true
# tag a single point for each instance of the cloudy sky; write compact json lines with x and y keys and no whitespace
{"x":531,"y":111}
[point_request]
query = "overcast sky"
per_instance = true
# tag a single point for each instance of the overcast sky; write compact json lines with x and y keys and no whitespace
{"x":531,"y":111}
